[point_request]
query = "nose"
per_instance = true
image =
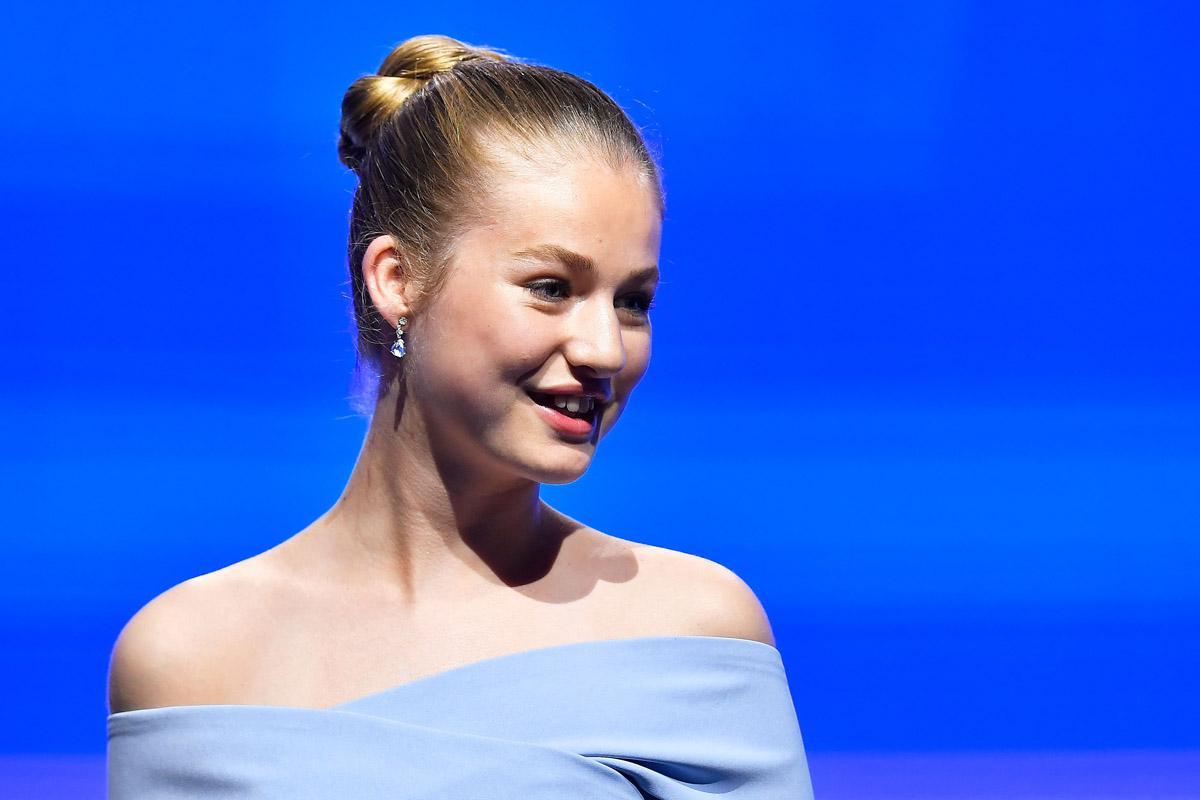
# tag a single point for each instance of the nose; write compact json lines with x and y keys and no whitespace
{"x":595,"y":338}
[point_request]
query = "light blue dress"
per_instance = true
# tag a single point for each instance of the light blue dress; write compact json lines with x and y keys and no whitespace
{"x":666,"y":717}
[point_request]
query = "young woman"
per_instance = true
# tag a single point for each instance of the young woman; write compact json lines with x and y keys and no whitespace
{"x":441,"y":632}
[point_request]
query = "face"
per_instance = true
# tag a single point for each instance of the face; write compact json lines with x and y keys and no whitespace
{"x":522,"y":312}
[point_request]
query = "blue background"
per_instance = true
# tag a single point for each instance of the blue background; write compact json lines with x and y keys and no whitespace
{"x":932,"y":270}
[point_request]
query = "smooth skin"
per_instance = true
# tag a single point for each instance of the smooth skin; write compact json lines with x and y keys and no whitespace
{"x":439,"y":552}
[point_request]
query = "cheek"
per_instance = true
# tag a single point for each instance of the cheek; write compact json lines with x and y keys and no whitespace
{"x":637,"y":360}
{"x":637,"y":355}
{"x":483,"y":349}
{"x":474,"y":325}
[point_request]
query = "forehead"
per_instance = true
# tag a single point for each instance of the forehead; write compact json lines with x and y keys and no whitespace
{"x":608,"y":214}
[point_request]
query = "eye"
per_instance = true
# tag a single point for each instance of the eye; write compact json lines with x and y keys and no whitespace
{"x":550,"y":288}
{"x":644,"y":302}
{"x":544,"y":288}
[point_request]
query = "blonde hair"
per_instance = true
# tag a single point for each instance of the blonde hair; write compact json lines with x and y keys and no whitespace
{"x":421,"y":135}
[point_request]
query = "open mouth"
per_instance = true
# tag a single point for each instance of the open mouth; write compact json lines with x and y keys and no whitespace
{"x":576,"y":408}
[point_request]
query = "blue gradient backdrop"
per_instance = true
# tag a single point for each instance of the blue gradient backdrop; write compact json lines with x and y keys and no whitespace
{"x":932,"y":270}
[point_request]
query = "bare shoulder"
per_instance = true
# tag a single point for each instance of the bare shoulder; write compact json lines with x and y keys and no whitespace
{"x":703,"y":596}
{"x":176,"y":649}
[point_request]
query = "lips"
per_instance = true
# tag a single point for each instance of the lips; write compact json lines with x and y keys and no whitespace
{"x":547,"y":400}
{"x":562,"y":421}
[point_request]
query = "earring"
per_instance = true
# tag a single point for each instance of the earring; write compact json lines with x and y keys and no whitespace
{"x":398,"y":345}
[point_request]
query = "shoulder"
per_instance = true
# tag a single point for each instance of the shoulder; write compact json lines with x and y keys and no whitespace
{"x":174,"y":649}
{"x":706,"y":597}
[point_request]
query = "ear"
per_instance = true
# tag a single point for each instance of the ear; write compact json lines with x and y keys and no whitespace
{"x":387,"y":278}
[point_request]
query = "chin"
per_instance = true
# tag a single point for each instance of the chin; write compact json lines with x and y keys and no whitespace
{"x":567,"y":470}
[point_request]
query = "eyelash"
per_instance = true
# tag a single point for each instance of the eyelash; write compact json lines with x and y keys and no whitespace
{"x":536,"y":289}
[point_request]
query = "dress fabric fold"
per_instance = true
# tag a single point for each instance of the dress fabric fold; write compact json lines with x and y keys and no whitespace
{"x":659,"y":717}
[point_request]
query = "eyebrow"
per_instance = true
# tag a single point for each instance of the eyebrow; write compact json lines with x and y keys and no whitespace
{"x":575,"y":262}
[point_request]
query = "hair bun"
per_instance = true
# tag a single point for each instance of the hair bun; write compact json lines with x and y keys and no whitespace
{"x":372,"y":99}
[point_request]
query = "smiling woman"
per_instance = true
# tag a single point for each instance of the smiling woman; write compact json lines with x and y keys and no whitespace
{"x":441,"y":631}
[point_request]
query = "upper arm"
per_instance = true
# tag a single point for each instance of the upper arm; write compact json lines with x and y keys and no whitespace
{"x":156,"y":658}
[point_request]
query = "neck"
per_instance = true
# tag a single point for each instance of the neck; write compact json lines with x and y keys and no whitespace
{"x":416,"y":521}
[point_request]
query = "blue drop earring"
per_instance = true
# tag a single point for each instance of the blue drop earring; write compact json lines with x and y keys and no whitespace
{"x":398,"y":345}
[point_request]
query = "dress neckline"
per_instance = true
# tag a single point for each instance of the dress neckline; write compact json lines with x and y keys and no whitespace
{"x":732,"y":642}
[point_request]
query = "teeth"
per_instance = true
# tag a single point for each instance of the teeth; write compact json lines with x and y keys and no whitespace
{"x":573,"y":403}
